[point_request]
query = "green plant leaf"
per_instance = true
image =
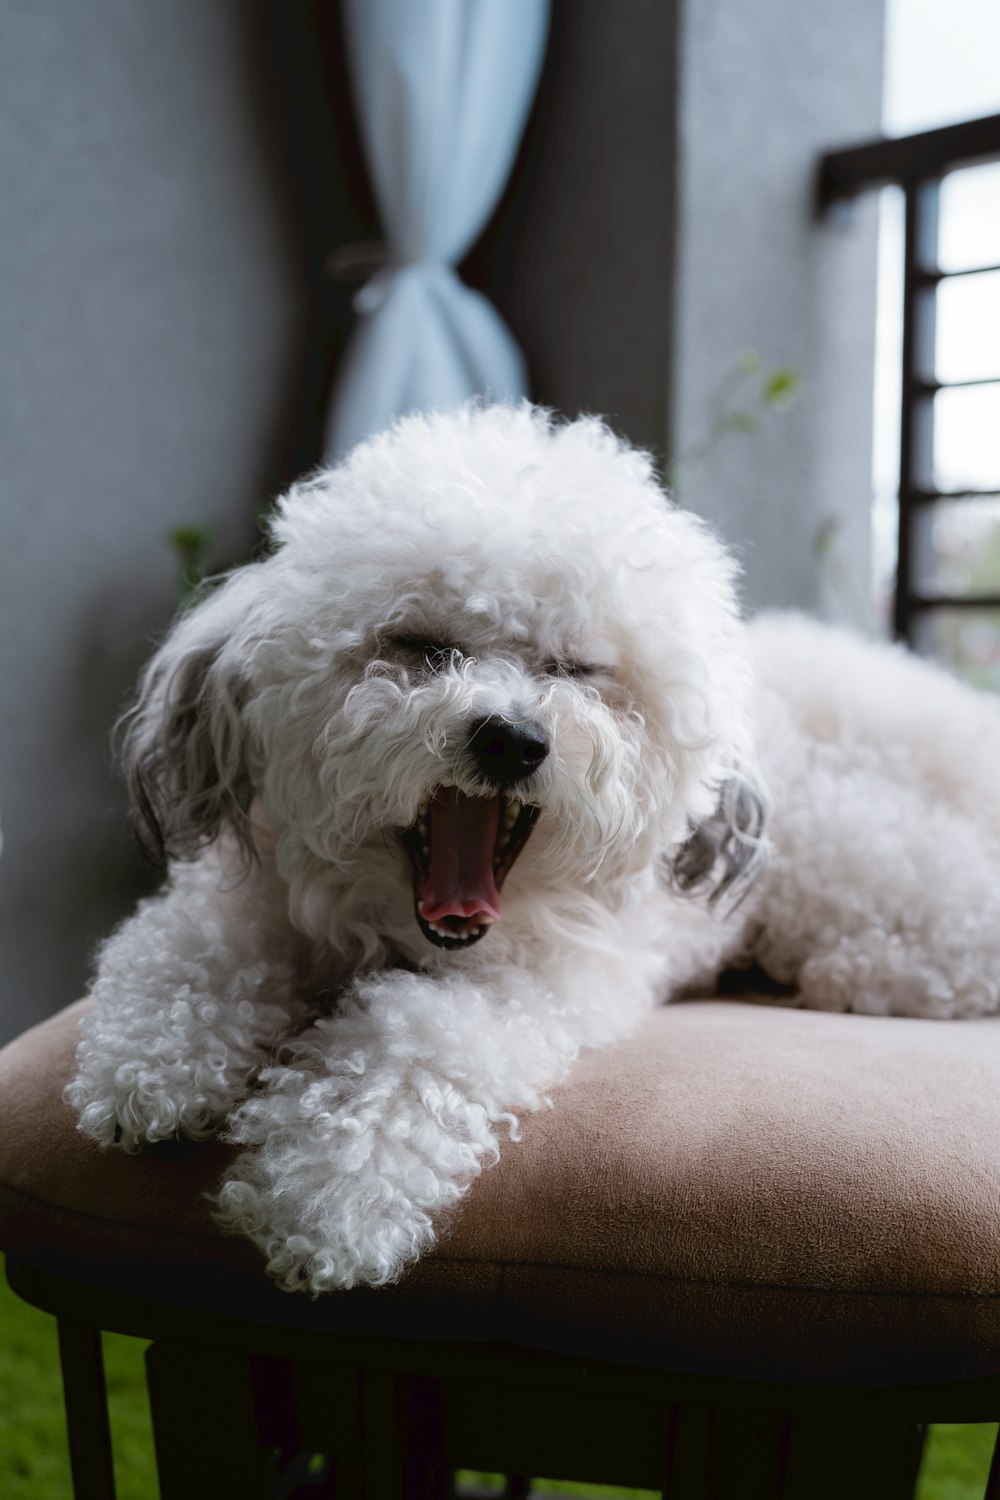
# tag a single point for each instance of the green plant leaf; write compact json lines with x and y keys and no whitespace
{"x":781,"y":388}
{"x":191,"y":544}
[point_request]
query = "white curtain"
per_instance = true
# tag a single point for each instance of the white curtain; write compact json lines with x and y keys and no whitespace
{"x":442,"y":90}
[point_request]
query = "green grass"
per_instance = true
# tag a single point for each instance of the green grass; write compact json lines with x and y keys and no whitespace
{"x":34,"y":1460}
{"x":957,"y":1461}
{"x":34,"y":1464}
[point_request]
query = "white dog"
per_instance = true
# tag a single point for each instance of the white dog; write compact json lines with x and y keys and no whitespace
{"x":463,"y":777}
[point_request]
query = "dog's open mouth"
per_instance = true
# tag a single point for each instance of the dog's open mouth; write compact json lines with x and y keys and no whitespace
{"x":462,"y":849}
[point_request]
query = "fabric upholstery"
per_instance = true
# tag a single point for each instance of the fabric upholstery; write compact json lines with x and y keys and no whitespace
{"x":740,"y":1190}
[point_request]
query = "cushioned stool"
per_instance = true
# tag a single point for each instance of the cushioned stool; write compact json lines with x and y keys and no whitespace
{"x":747,"y":1253}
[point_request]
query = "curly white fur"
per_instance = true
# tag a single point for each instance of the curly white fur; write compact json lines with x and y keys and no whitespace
{"x":292,"y":727}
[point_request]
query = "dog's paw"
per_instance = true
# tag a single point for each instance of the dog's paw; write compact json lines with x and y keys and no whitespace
{"x":350,"y":1166}
{"x":147,"y":1075}
{"x":132,"y":1099}
{"x":136,"y":1105}
{"x":354,"y":1231}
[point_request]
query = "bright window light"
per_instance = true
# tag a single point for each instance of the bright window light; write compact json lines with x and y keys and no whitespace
{"x":941,"y":67}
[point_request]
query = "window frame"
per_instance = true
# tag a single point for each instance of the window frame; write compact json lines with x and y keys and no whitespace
{"x":917,"y":164}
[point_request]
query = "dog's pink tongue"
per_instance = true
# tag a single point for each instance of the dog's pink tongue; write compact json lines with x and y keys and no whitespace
{"x":463,"y":835}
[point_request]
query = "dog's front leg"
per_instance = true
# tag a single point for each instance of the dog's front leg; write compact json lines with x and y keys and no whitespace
{"x":380,"y":1117}
{"x":191,"y":995}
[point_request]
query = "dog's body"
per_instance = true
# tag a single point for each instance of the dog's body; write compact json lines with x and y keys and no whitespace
{"x":464,"y":777}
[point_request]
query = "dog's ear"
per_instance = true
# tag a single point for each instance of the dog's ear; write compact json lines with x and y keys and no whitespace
{"x":182,"y":743}
{"x":725,"y":853}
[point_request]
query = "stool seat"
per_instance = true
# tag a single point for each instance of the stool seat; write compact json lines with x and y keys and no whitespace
{"x":741,"y":1190}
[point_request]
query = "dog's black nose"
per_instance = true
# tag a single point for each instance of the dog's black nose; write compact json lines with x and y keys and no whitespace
{"x":507,"y":750}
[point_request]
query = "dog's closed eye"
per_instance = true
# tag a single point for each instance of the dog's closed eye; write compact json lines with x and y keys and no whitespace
{"x":435,"y":653}
{"x":581,"y":669}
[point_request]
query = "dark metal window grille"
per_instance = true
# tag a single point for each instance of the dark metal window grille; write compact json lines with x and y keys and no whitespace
{"x":918,"y":163}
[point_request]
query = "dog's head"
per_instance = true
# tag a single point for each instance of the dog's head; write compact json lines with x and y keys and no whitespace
{"x":486,"y":659}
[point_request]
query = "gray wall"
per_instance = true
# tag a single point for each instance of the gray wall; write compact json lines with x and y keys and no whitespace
{"x":148,"y":318}
{"x":764,"y":89}
{"x":579,"y":257}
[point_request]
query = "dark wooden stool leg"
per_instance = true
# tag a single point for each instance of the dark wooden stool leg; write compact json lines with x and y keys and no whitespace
{"x":85,"y":1393}
{"x":733,"y":1455}
{"x":402,"y":1438}
{"x":426,"y":1475}
{"x":382,"y":1459}
{"x":689,"y":1433}
{"x":867,"y":1458}
{"x":992,"y":1491}
{"x":204,"y":1427}
{"x":304,"y":1412}
{"x":747,"y":1454}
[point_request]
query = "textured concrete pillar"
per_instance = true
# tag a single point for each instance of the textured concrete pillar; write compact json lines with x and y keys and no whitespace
{"x":763,"y":90}
{"x":659,"y":224}
{"x":149,"y":318}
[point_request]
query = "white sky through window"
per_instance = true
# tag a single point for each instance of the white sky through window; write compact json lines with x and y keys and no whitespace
{"x":942,"y":66}
{"x":942,"y":63}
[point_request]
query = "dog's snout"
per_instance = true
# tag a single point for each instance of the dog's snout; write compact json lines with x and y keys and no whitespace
{"x":507,"y":750}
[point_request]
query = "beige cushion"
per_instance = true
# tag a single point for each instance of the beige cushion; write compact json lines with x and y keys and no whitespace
{"x":741,"y":1190}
